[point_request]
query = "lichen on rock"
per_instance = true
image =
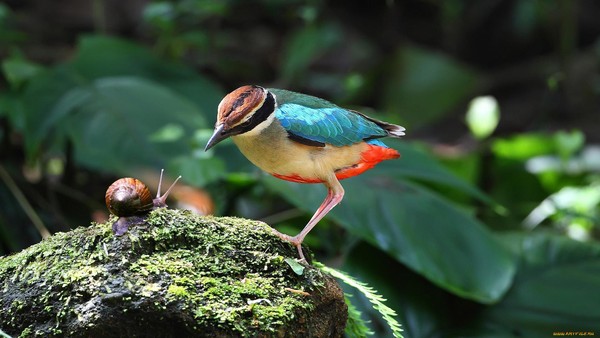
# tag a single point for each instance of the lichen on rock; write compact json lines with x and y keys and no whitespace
{"x":175,"y":275}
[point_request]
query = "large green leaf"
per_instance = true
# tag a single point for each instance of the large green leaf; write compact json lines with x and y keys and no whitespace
{"x":41,"y":94}
{"x":555,"y":289}
{"x":102,"y":57}
{"x":419,"y":228}
{"x":118,"y":123}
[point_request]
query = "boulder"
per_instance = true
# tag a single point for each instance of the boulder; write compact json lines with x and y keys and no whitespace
{"x":174,"y":275}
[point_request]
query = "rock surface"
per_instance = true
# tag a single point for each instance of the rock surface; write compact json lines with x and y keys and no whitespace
{"x":176,"y":275}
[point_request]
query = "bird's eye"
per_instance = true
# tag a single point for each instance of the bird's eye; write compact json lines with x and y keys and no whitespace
{"x":245,"y":124}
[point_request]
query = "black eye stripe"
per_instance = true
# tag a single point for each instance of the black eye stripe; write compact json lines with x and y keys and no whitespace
{"x":264,"y":111}
{"x":259,"y":116}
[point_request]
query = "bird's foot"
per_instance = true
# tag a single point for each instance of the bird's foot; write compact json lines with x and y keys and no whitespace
{"x":285,"y":237}
{"x":301,"y":254}
{"x":297,"y":242}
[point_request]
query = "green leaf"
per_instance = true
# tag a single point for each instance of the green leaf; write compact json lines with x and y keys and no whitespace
{"x":12,"y":109}
{"x":423,"y":85}
{"x":523,"y":146}
{"x":417,"y":227}
{"x":17,"y":71}
{"x":169,"y":133}
{"x":483,"y":116}
{"x":113,"y":123}
{"x":297,"y":267}
{"x":52,"y":95}
{"x":573,"y":207}
{"x":568,"y":143}
{"x":41,"y":94}
{"x":555,"y":288}
{"x":100,"y":56}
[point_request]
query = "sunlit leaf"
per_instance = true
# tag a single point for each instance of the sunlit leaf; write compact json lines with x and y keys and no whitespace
{"x":168,"y":133}
{"x":567,"y":143}
{"x":483,"y":116}
{"x":523,"y":146}
{"x":573,"y":207}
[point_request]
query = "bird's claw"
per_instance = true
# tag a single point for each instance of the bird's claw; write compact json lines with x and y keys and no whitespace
{"x":302,"y":258}
{"x":295,"y":241}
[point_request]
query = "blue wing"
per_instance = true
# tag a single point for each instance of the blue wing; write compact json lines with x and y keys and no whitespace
{"x":320,"y":121}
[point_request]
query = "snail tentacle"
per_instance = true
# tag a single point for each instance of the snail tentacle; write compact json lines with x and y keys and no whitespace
{"x":130,"y":199}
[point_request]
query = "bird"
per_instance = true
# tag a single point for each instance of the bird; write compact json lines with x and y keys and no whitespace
{"x":304,"y":139}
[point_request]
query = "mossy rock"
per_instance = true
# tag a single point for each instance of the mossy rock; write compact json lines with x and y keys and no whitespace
{"x":176,"y":275}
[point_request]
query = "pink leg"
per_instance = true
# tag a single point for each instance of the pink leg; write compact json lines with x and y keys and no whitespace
{"x":335,"y":194}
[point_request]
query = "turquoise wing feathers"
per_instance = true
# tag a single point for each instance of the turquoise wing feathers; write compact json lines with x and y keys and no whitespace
{"x":321,"y":121}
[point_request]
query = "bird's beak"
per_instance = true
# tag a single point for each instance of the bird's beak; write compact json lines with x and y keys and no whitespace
{"x":217,"y":136}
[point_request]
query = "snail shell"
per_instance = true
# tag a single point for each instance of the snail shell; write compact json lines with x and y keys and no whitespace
{"x":130,"y":199}
{"x":127,"y":197}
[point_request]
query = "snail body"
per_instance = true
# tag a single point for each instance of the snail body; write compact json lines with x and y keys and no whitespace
{"x":130,"y":200}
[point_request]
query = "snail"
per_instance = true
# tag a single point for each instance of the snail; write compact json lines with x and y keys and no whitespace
{"x":130,"y":199}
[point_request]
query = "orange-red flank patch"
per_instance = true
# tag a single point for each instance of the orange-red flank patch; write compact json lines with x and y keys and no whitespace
{"x":370,"y":157}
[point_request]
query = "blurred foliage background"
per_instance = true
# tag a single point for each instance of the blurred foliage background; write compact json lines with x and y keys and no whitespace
{"x":487,"y":226}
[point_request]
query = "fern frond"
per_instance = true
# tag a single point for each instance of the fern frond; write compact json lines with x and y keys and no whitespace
{"x":356,"y":326}
{"x":376,"y":300}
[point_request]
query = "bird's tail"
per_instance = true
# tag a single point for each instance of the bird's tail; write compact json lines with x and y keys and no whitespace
{"x":393,"y":130}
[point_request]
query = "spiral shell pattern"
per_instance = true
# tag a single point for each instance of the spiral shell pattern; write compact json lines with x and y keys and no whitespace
{"x":127,"y":197}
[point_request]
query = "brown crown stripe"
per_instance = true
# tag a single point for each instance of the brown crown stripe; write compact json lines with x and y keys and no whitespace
{"x":237,"y":104}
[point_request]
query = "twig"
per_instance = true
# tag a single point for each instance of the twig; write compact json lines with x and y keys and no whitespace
{"x":24,"y":203}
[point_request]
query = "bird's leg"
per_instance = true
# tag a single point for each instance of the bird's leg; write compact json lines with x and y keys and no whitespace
{"x":335,"y":194}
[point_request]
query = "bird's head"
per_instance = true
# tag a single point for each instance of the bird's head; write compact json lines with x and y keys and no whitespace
{"x":246,"y":109}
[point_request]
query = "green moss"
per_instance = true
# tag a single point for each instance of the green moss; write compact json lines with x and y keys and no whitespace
{"x":227,"y":273}
{"x":26,"y":333}
{"x":178,"y":291}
